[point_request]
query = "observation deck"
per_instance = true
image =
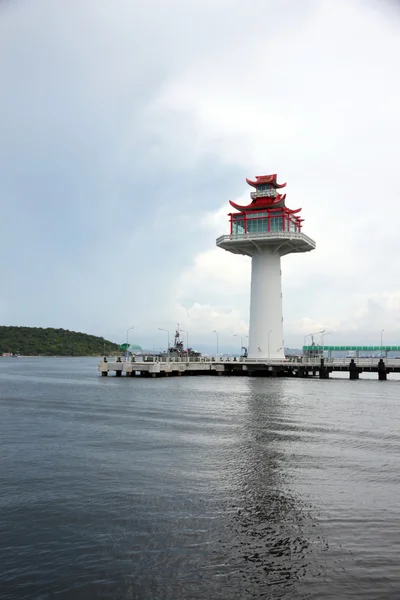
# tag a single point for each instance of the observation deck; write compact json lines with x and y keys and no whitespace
{"x":282,"y":242}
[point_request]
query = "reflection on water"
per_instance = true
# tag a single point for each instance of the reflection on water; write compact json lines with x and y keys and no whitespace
{"x":196,"y":487}
{"x":277,"y":538}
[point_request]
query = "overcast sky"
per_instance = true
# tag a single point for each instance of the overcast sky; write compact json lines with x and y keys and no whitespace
{"x":126,"y":126}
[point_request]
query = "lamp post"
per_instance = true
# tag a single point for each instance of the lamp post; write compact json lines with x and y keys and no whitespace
{"x":127,"y":342}
{"x":215,"y":331}
{"x":241,"y":341}
{"x":322,"y":341}
{"x":323,"y":333}
{"x":310,"y":334}
{"x":127,"y":334}
{"x":166,"y":330}
{"x":381,"y":339}
{"x":270,"y":331}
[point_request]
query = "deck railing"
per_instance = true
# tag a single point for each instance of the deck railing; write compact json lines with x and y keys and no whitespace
{"x":289,"y":235}
{"x":271,"y":193}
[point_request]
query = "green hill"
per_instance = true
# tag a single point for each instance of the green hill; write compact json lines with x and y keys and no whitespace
{"x":34,"y":341}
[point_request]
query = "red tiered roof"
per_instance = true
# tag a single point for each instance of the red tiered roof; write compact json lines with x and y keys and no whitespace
{"x":265,"y":209}
{"x":263,"y":200}
{"x":262,"y":179}
{"x":260,"y":203}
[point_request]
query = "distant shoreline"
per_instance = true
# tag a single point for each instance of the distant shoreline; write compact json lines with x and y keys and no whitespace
{"x":39,"y":342}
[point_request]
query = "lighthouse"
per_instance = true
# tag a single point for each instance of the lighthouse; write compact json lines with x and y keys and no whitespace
{"x":266,"y":229}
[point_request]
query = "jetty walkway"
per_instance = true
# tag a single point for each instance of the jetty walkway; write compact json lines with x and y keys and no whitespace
{"x":151,"y":366}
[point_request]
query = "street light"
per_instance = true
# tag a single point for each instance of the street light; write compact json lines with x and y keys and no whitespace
{"x":241,"y":341}
{"x":381,"y":339}
{"x":127,"y":334}
{"x":310,"y":334}
{"x":270,"y":331}
{"x":324,"y":332}
{"x":166,"y":330}
{"x":215,"y":331}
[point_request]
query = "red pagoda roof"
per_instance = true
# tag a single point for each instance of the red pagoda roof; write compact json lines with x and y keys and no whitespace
{"x":263,"y":179}
{"x":262,"y":200}
{"x":260,"y":203}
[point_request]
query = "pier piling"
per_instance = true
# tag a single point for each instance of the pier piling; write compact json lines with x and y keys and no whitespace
{"x":354,"y":370}
{"x":382,"y":371}
{"x":323,"y":371}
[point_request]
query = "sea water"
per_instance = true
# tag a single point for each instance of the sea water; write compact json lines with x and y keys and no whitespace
{"x":196,"y":487}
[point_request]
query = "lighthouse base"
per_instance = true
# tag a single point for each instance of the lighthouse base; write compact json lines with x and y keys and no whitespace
{"x":265,"y":249}
{"x":266,"y":324}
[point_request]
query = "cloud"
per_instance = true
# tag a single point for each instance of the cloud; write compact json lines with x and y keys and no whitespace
{"x":126,"y":128}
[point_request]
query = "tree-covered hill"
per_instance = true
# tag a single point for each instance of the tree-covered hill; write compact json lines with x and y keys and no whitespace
{"x":34,"y":341}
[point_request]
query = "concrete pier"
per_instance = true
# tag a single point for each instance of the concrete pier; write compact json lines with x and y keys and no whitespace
{"x":150,"y":366}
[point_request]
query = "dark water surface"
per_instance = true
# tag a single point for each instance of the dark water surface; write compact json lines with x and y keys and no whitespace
{"x":199,"y":487}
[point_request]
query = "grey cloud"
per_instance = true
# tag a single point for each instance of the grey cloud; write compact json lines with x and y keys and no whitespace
{"x":102,"y":185}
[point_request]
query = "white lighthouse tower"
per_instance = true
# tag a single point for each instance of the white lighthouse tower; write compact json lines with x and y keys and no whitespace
{"x":266,"y":230}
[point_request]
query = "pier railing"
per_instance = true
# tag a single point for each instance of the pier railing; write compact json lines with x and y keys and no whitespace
{"x":360,"y":362}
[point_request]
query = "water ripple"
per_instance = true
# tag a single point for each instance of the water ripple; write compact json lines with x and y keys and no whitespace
{"x":196,"y":487}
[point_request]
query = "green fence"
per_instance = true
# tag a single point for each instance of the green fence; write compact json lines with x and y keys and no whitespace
{"x":353,"y":348}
